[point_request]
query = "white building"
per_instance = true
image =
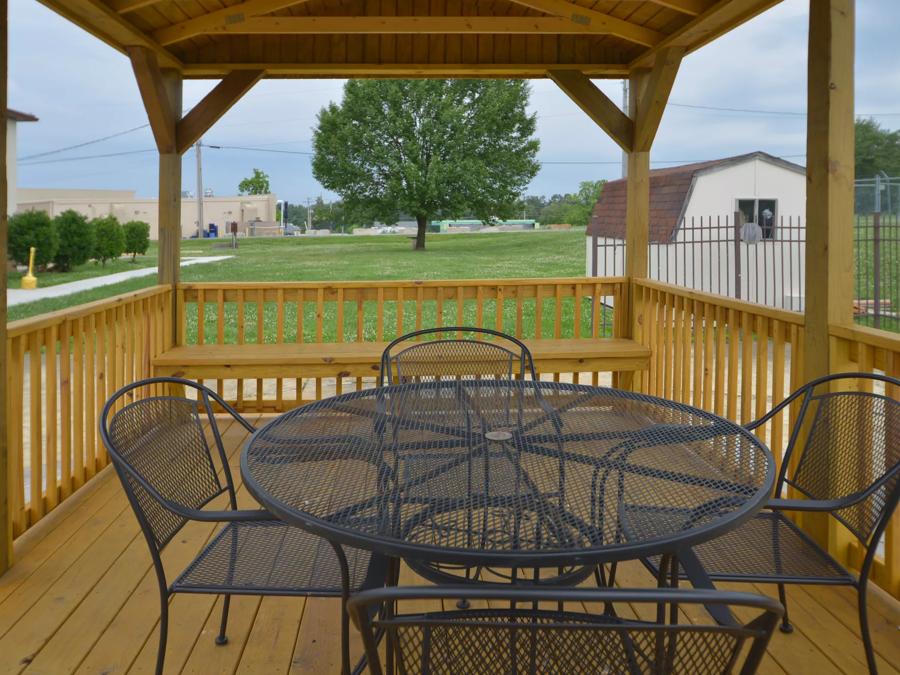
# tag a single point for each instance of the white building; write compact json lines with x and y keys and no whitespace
{"x":13,"y":117}
{"x":125,"y":205}
{"x":733,"y":226}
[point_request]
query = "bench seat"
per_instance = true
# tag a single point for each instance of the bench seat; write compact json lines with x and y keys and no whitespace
{"x":362,"y":359}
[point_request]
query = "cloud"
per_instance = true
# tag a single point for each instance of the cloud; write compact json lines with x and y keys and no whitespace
{"x":82,"y":89}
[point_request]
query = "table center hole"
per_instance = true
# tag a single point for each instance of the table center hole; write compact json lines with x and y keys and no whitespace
{"x":498,"y":435}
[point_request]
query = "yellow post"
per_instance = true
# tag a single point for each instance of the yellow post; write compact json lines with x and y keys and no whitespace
{"x":29,"y":281}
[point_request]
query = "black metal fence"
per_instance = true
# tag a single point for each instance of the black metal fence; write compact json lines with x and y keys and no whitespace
{"x":765,"y":264}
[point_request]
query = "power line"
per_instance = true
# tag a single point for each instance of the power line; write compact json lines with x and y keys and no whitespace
{"x":83,"y":157}
{"x":238,"y":147}
{"x":81,"y":145}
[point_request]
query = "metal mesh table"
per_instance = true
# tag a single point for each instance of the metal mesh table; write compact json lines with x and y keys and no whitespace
{"x":508,"y":473}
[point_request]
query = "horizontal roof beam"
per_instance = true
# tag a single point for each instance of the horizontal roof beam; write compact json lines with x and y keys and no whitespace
{"x":409,"y":70}
{"x":598,"y":20}
{"x":409,"y":25}
{"x":221,"y":17}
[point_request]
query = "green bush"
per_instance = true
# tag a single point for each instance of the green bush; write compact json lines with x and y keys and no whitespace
{"x":137,"y":238}
{"x":76,"y":240}
{"x":109,"y":240}
{"x":32,"y":228}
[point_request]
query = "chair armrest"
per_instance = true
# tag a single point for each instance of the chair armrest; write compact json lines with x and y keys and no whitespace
{"x":824,"y":505}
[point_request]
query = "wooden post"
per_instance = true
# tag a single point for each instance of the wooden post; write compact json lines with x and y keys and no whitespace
{"x":170,"y":202}
{"x":6,"y":553}
{"x":829,"y":195}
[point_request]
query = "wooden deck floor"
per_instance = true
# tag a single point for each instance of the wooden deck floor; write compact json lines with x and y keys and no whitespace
{"x":82,"y":597}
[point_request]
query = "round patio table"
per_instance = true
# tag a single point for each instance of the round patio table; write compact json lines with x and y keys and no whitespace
{"x":515,"y":474}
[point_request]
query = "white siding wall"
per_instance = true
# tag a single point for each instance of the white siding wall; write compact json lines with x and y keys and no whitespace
{"x":11,"y":173}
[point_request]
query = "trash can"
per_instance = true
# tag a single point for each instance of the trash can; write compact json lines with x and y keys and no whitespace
{"x":213,"y":231}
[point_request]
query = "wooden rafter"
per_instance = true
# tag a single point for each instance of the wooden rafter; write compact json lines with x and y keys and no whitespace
{"x":406,"y":69}
{"x":589,"y":17}
{"x":691,"y":7}
{"x":102,"y":21}
{"x":723,"y":16}
{"x":596,"y":105}
{"x":215,"y":104}
{"x":653,"y":96}
{"x":410,"y":25}
{"x":125,"y":6}
{"x":221,"y":17}
{"x":156,"y":101}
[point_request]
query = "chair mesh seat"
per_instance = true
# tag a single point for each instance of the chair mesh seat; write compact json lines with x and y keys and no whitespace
{"x":769,"y":547}
{"x":271,"y":557}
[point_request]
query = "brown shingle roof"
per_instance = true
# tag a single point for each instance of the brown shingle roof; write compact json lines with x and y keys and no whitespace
{"x":669,"y":192}
{"x":17,"y":116}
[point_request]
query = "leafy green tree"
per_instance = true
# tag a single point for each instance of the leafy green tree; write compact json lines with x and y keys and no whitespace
{"x":137,"y":238}
{"x":109,"y":240}
{"x":76,"y":240}
{"x":877,"y":149}
{"x":257,"y":184}
{"x":430,"y":148}
{"x":32,"y":228}
{"x":574,"y":209}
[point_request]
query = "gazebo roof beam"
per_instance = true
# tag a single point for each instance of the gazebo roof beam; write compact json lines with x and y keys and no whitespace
{"x":125,"y":6}
{"x":589,"y":17}
{"x":413,"y":25}
{"x":221,"y":17}
{"x":691,"y":7}
{"x":722,"y":17}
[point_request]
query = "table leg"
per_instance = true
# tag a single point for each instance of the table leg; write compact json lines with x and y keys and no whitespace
{"x":698,"y":577}
{"x":345,"y":618}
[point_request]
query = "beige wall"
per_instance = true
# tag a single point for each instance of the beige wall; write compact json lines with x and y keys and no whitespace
{"x":124,"y":206}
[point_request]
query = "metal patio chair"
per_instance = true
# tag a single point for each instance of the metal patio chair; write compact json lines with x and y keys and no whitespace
{"x":448,"y":353}
{"x":161,"y":453}
{"x":451,"y":353}
{"x":848,"y":467}
{"x":512,"y":638}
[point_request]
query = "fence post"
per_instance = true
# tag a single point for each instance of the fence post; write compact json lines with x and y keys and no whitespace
{"x":876,"y":266}
{"x":738,"y":222}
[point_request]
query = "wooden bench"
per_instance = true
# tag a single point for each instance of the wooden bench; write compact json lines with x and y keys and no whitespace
{"x":362,"y":359}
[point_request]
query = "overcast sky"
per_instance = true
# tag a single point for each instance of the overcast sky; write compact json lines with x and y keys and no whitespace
{"x":81,"y":90}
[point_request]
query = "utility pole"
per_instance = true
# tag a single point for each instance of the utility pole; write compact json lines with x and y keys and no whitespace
{"x":308,"y":215}
{"x":199,"y":189}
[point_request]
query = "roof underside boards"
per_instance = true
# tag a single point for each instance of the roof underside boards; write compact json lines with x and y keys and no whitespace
{"x":407,"y":38}
{"x":670,"y":190}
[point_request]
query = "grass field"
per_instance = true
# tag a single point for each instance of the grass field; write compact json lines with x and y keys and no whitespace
{"x":348,"y":258}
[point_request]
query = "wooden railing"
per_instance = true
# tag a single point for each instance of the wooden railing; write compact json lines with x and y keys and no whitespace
{"x":732,"y":358}
{"x":62,"y":367}
{"x":310,"y":312}
{"x":871,"y":350}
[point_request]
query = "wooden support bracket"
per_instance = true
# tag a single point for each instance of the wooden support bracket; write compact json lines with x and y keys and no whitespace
{"x":653,"y":95}
{"x":156,"y":101}
{"x":597,"y":105}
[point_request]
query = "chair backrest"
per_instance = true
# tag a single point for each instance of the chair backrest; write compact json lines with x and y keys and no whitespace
{"x":158,"y":445}
{"x":514,"y":638}
{"x":454,"y":352}
{"x":847,"y":445}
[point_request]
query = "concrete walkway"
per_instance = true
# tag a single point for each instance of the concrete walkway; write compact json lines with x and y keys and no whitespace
{"x":16,"y":296}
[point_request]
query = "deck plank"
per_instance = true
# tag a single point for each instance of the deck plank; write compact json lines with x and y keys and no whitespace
{"x":83,"y":598}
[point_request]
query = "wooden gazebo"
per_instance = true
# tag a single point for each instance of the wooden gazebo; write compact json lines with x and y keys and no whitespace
{"x":570,"y":42}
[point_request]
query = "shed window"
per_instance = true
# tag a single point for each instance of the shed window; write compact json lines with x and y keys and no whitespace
{"x":763,"y":212}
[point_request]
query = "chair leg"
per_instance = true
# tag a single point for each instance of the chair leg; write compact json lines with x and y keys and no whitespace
{"x":222,"y":638}
{"x":786,"y":626}
{"x":163,"y":632}
{"x":864,"y":629}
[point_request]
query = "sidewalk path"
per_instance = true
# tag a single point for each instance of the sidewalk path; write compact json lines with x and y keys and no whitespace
{"x":16,"y":296}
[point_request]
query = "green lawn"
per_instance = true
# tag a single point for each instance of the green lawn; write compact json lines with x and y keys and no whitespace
{"x":349,"y":258}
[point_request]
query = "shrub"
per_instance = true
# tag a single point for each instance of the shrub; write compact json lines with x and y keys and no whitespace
{"x":32,"y":228}
{"x":137,"y":238}
{"x":109,"y":240}
{"x":76,"y":240}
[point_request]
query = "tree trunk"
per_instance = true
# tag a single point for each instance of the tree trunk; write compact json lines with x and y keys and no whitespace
{"x":422,"y":222}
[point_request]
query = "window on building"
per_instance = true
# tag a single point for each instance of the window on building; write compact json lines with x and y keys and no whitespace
{"x":763,"y":212}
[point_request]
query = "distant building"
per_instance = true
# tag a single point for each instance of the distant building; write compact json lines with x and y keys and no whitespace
{"x":13,"y":117}
{"x":693,"y":229}
{"x":124,"y":205}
